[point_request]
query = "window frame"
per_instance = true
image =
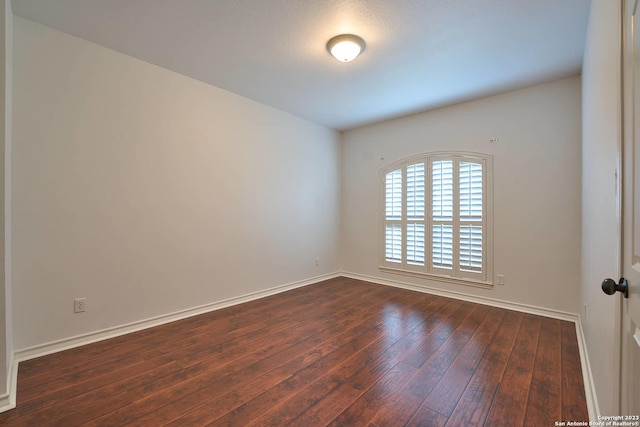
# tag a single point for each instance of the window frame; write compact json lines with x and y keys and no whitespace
{"x":455,"y":275}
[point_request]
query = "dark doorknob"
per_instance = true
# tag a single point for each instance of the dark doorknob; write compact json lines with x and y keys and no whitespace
{"x":610,"y":287}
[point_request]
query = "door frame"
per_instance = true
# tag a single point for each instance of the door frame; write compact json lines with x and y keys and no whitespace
{"x":627,"y":139}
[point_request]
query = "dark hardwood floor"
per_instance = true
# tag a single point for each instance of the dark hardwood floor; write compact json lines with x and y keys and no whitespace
{"x":340,"y":353}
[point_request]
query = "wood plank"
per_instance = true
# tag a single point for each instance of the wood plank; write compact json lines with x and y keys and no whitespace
{"x":241,"y":411}
{"x":574,"y":404}
{"x":158,"y":417}
{"x":544,"y":406}
{"x":364,"y":368}
{"x":444,"y":327}
{"x":400,"y":408}
{"x":355,"y":329}
{"x":311,"y":393}
{"x":426,"y":417}
{"x":332,"y":404}
{"x":434,"y":369}
{"x":510,"y":402}
{"x":402,"y":347}
{"x":475,"y":403}
{"x":209,"y":410}
{"x":365,"y":407}
{"x":445,"y":395}
{"x":448,"y":315}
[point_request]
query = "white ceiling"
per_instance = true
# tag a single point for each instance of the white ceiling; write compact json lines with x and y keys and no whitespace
{"x":420,"y":54}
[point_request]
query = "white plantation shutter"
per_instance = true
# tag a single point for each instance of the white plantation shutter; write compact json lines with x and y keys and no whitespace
{"x":470,"y":191}
{"x":436,"y":216}
{"x":415,"y":244}
{"x":471,"y":248}
{"x":442,"y":190}
{"x":415,"y":191}
{"x":415,"y":214}
{"x":393,"y":245}
{"x":471,"y":213}
{"x":393,"y":195}
{"x":442,"y":214}
{"x":393,"y":214}
{"x":442,"y":246}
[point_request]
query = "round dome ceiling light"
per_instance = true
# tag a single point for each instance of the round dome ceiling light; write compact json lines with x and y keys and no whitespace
{"x":345,"y":47}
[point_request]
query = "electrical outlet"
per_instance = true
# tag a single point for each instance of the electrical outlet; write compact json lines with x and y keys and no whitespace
{"x":79,"y":305}
{"x":317,"y":261}
{"x":500,"y":279}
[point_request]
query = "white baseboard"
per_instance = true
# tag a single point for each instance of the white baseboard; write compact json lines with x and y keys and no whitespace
{"x":8,"y":401}
{"x":524,"y":308}
{"x":5,"y":402}
{"x":587,"y":376}
{"x":91,"y":337}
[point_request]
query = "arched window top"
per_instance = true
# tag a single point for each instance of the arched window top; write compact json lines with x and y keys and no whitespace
{"x":437,"y":216}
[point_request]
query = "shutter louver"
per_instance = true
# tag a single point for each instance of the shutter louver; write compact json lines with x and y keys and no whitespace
{"x":393,"y":243}
{"x":442,"y":211}
{"x":470,"y":191}
{"x":442,"y":246}
{"x":415,"y":244}
{"x":442,"y":190}
{"x":415,"y":213}
{"x":471,"y":248}
{"x":393,"y":195}
{"x":471,"y":211}
{"x":415,"y":191}
{"x":393,"y":211}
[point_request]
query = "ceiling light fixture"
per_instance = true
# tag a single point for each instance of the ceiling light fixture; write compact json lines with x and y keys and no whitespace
{"x":345,"y":47}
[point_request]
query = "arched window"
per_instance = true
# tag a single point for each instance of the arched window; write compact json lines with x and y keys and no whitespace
{"x":437,"y":217}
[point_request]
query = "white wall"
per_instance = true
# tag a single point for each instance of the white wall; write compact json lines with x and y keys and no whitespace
{"x":148,"y":192}
{"x":600,"y":242}
{"x":536,"y":187}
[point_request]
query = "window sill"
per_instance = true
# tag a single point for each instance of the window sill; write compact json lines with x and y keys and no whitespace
{"x":439,"y":278}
